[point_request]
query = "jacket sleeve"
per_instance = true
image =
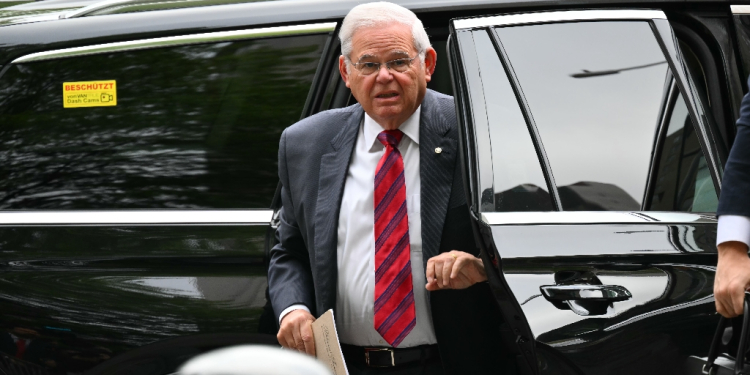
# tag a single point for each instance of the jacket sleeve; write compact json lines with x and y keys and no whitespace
{"x":734,"y":199}
{"x":289,"y":274}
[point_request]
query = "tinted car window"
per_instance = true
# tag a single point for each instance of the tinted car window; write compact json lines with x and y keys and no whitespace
{"x":683,"y":181}
{"x":596,"y":92}
{"x":519,"y":183}
{"x":742,"y":28}
{"x":194,"y":126}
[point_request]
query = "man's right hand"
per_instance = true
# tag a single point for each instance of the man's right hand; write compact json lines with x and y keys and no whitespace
{"x":296,"y":332}
{"x":732,"y":278}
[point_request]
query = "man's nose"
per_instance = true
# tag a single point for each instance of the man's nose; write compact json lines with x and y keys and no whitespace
{"x":384,"y":74}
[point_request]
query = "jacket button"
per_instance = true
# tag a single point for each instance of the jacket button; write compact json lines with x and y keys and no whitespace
{"x":438,"y":150}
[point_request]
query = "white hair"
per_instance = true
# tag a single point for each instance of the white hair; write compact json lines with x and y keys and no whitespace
{"x":379,"y":14}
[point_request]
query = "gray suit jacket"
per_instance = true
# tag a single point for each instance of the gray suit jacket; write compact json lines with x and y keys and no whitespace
{"x":314,"y":157}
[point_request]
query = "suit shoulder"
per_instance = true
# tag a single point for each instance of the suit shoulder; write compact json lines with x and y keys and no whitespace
{"x":326,"y":123}
{"x":443,"y":104}
{"x":443,"y":97}
{"x":443,"y":112}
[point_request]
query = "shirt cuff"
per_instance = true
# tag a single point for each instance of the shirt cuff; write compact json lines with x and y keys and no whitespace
{"x":292,"y":308}
{"x":733,"y":228}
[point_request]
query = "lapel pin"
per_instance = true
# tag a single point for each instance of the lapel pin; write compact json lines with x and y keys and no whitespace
{"x":438,"y":150}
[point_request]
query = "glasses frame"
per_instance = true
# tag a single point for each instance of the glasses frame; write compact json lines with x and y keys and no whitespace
{"x":358,"y":65}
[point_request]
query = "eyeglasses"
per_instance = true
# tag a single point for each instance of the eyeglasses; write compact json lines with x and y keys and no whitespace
{"x":398,"y":65}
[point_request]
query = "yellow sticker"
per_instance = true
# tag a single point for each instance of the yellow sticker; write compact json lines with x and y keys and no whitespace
{"x":89,"y":94}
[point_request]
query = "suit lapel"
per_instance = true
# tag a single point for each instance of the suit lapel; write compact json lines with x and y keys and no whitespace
{"x":332,"y":175}
{"x":436,"y":173}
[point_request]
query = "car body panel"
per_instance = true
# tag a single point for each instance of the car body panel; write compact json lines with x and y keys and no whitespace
{"x":64,"y":286}
{"x":660,"y":264}
{"x":668,"y":269}
{"x":123,"y":290}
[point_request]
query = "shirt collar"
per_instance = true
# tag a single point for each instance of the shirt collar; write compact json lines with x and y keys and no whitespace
{"x":410,"y":127}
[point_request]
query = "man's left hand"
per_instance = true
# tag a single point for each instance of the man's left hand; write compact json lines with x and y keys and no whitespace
{"x":454,"y":270}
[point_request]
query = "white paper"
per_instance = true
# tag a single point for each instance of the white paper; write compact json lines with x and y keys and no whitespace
{"x":327,"y":347}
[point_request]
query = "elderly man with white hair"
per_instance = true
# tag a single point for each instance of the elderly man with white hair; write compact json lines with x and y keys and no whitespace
{"x":374,"y":222}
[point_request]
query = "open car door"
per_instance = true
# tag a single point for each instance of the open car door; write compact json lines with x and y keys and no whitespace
{"x":593,"y":181}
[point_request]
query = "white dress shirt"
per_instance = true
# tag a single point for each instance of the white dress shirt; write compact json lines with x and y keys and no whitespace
{"x":355,"y":289}
{"x":733,"y":228}
{"x":356,"y":240}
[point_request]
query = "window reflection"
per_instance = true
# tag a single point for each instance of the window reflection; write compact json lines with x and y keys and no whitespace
{"x":683,"y":181}
{"x":194,"y":127}
{"x":519,"y":183}
{"x":246,"y":292}
{"x":597,"y":128}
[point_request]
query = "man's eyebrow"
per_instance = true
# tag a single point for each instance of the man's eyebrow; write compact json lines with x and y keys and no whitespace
{"x":366,"y":56}
{"x":397,"y":52}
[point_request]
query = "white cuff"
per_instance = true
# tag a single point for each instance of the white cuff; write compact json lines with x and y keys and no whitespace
{"x":733,"y":228}
{"x":291,"y":308}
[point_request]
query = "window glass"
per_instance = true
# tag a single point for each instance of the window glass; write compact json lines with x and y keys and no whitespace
{"x":742,"y":29}
{"x":683,"y":181}
{"x":194,"y":126}
{"x":441,"y":77}
{"x":595,"y":90}
{"x":519,"y":183}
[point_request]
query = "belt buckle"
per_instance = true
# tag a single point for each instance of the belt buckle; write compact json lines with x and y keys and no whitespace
{"x":367,"y":356}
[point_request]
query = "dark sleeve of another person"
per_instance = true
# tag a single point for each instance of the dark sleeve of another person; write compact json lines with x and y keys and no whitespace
{"x":735,"y":186}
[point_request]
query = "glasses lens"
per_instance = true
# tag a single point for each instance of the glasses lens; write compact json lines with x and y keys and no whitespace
{"x":368,"y":67}
{"x":400,"y":65}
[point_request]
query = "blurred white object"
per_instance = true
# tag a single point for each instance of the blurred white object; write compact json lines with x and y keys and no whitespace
{"x":253,"y":360}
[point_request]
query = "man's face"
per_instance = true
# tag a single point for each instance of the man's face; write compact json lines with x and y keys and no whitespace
{"x":388,"y":96}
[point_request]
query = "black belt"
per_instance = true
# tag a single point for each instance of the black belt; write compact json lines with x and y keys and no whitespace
{"x":390,"y":357}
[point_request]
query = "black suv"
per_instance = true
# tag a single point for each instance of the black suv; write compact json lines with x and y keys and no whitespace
{"x":138,"y":187}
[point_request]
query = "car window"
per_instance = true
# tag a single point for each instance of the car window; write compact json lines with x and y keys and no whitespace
{"x":596,"y":92}
{"x":682,"y":181}
{"x":518,"y":180}
{"x":193,"y":126}
{"x":742,"y":30}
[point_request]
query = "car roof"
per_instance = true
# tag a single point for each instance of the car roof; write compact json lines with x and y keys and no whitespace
{"x":99,"y":7}
{"x":49,"y":31}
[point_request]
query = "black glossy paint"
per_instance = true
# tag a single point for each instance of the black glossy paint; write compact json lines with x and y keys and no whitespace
{"x":85,"y":295}
{"x":667,"y":268}
{"x":476,"y":116}
{"x":21,"y":39}
{"x":106,"y":285}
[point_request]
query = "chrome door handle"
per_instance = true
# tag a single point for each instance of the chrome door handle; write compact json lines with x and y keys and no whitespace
{"x":584,"y":292}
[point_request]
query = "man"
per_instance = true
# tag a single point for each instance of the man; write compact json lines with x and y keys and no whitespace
{"x":374,"y":222}
{"x":733,"y":237}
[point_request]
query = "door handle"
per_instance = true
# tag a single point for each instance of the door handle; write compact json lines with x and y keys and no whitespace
{"x":585,"y":292}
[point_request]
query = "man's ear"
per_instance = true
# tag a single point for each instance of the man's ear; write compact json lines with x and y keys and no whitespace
{"x":343,"y":71}
{"x":430,"y":59}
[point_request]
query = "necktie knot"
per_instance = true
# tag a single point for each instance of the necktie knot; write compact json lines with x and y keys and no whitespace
{"x":390,"y":137}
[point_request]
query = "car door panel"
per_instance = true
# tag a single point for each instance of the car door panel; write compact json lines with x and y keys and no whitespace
{"x":133,"y":237}
{"x":603,"y":284}
{"x":82,"y":295}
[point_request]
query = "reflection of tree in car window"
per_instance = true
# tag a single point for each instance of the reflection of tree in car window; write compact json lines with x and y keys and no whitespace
{"x":194,"y":126}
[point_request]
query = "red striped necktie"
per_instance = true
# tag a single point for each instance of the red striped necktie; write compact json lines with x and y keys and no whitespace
{"x":394,"y":295}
